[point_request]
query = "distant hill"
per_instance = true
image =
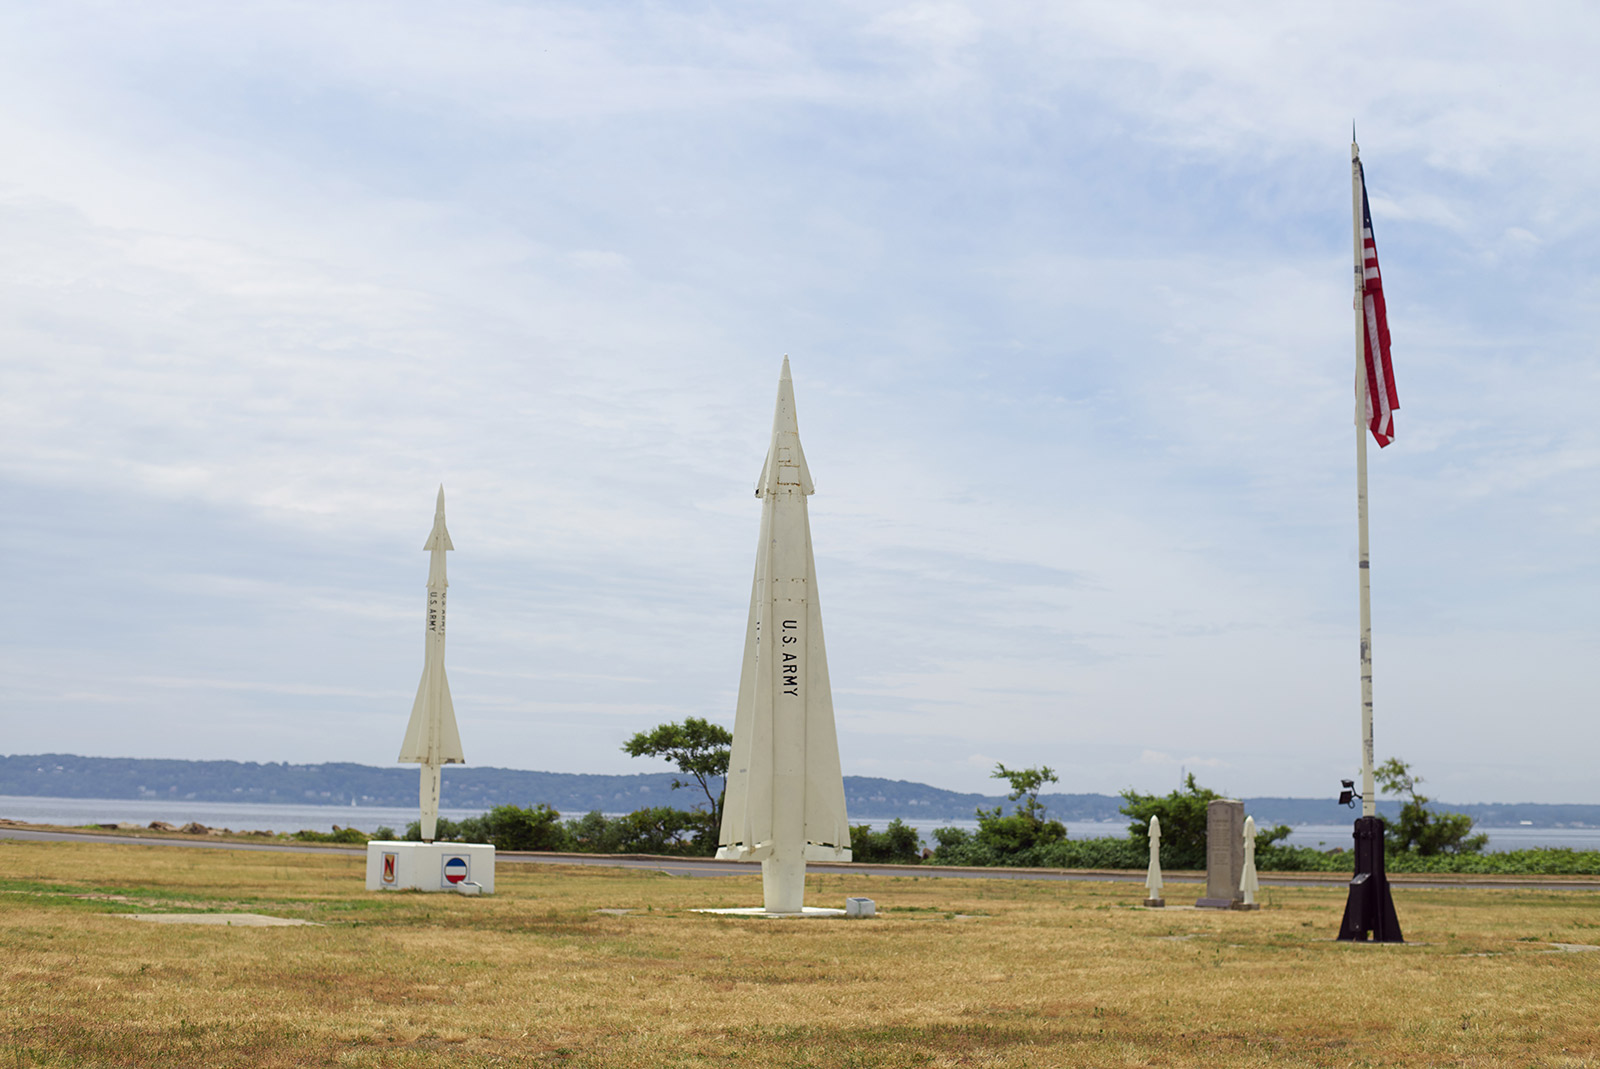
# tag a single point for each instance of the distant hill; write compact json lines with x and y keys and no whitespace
{"x":471,"y":787}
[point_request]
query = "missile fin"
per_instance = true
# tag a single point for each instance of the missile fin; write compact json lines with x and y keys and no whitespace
{"x":826,"y":823}
{"x":415,"y":746}
{"x":449,"y":736}
{"x":745,"y":821}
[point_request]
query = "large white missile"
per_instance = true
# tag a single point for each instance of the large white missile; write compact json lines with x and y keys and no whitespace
{"x":785,"y":794}
{"x":431,"y":737}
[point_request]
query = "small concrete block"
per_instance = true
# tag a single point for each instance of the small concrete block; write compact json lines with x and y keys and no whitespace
{"x":1156,"y":903}
{"x":860,"y":907}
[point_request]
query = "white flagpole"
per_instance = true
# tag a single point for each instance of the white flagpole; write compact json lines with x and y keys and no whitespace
{"x":1369,"y":801}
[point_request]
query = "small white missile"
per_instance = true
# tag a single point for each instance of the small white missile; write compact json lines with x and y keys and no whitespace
{"x":785,"y":793}
{"x":1248,"y":883}
{"x":432,"y":739}
{"x":1152,"y":879}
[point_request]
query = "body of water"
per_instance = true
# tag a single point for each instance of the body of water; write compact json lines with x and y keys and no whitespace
{"x":1321,"y":836}
{"x":240,"y":816}
{"x":245,"y":816}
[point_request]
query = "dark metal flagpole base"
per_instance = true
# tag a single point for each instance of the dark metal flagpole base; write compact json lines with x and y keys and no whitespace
{"x":1369,"y":911}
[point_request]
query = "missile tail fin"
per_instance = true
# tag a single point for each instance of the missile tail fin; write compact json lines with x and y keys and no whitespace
{"x":827,"y":825}
{"x":419,"y":731}
{"x":747,"y":819}
{"x":449,"y":736}
{"x":415,"y":746}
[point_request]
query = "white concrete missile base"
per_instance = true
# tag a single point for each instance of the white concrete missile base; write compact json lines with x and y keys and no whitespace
{"x":785,"y":792}
{"x":465,"y":868}
{"x":804,"y":913}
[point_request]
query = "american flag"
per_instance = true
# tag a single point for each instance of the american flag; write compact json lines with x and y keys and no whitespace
{"x":1382,"y":399}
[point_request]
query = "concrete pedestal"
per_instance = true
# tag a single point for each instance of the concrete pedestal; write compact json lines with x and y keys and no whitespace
{"x":465,"y":868}
{"x":803,"y":913}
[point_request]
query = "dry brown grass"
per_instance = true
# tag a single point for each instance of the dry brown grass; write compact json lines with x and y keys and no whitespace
{"x":954,"y":972}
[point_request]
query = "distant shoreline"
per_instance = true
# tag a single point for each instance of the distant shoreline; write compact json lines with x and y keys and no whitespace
{"x":474,"y":789}
{"x":247,"y":817}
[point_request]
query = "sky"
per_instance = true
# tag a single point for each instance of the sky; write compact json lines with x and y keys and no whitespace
{"x":1066,"y":290}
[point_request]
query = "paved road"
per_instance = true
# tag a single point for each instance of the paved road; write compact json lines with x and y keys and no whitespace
{"x":687,"y":866}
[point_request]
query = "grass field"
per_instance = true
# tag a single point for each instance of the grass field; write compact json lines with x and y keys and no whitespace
{"x":952,"y":972}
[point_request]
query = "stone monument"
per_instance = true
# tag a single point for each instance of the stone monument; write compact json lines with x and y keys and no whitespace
{"x":1224,"y":854}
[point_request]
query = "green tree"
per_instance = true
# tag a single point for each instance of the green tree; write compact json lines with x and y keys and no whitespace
{"x":1183,"y":822}
{"x":1183,"y":825}
{"x":1027,"y":827}
{"x":1420,"y":830}
{"x":698,"y":747}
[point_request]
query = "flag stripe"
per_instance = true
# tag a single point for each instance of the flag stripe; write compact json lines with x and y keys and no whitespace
{"x":1382,"y":398}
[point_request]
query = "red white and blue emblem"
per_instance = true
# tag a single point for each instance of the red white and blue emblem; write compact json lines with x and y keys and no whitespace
{"x":455,"y":869}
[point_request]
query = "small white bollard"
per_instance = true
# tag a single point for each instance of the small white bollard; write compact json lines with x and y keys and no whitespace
{"x":860,"y":907}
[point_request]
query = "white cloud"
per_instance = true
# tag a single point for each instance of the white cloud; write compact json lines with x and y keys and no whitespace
{"x":1066,"y":293}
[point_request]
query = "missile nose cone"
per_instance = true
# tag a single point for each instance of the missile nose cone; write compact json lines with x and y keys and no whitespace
{"x":783,"y":418}
{"x":786,"y":461}
{"x":439,"y":537}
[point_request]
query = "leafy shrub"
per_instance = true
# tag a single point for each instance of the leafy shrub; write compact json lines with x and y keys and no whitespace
{"x":664,"y":830}
{"x":337,"y":835}
{"x":897,"y":844}
{"x":511,"y":827}
{"x":959,"y":847}
{"x":444,"y":831}
{"x":507,"y":827}
{"x":655,"y":830}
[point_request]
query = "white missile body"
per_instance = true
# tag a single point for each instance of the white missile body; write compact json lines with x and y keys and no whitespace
{"x":431,"y":737}
{"x":1249,"y":885}
{"x":785,"y":793}
{"x":1152,"y":877}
